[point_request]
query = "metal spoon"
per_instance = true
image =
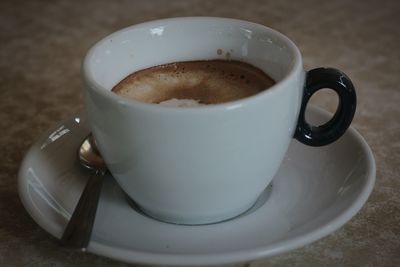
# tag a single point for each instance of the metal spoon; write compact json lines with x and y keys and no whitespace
{"x":78,"y":231}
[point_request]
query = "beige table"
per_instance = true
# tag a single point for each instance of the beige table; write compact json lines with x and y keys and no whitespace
{"x":41,"y":47}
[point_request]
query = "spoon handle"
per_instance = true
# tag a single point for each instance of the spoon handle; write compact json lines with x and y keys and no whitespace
{"x":78,"y":231}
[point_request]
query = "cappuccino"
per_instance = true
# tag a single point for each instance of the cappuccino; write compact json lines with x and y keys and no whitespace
{"x":193,"y":83}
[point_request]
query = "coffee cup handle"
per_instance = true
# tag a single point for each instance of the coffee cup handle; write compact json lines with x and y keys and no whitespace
{"x":329,"y":132}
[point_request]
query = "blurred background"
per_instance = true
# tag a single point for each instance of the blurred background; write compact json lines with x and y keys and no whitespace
{"x":42,"y":44}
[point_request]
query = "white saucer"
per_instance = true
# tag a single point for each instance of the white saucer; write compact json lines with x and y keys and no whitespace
{"x":315,"y":192}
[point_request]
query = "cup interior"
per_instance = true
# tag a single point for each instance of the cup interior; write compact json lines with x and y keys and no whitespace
{"x":185,"y":39}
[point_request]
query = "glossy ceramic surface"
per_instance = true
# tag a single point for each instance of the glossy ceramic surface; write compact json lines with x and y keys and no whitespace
{"x":201,"y":164}
{"x":315,"y":191}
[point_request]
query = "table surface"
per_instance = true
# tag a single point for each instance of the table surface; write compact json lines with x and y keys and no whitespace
{"x":41,"y":47}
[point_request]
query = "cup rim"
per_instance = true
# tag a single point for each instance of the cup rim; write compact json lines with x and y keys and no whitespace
{"x":90,"y":81}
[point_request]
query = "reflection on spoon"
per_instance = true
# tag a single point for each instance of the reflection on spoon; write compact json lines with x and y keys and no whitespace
{"x":79,"y":228}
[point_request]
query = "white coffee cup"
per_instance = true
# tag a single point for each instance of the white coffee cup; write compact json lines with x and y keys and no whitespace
{"x":210,"y":163}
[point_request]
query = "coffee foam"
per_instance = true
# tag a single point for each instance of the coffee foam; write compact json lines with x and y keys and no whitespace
{"x":182,"y":103}
{"x":205,"y":82}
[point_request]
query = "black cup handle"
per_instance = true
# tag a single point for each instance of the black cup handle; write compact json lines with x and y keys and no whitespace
{"x":329,"y":132}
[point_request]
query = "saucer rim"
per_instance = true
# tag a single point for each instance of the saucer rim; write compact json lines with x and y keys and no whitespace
{"x":241,"y":255}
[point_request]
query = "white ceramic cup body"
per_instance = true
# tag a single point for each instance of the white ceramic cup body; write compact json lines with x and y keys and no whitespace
{"x":202,"y":164}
